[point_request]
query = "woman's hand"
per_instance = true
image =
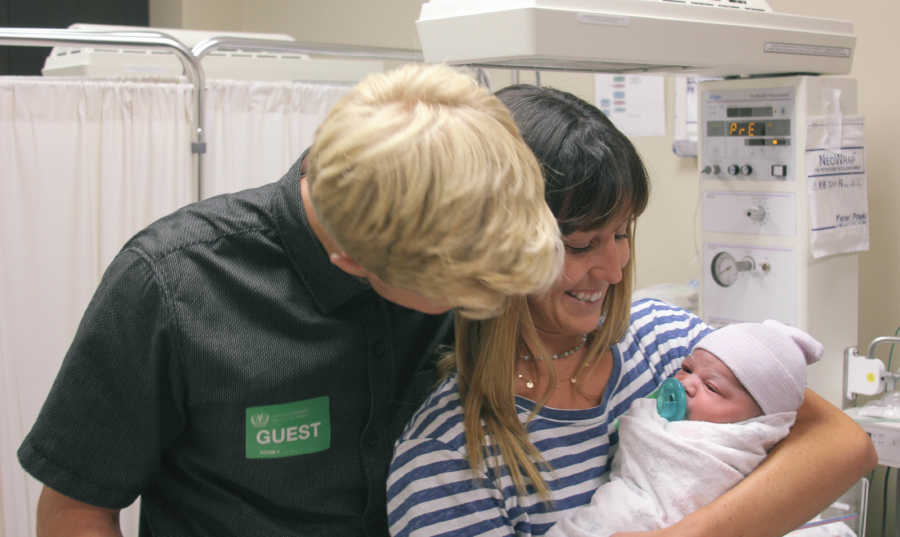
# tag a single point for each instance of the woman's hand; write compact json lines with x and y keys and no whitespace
{"x":671,"y":531}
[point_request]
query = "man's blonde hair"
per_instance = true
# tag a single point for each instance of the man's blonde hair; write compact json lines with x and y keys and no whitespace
{"x":421,"y":177}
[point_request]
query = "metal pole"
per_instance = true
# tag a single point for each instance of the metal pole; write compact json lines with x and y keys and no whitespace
{"x":52,"y":37}
{"x":191,"y":58}
{"x":876,"y":341}
{"x":316,"y":49}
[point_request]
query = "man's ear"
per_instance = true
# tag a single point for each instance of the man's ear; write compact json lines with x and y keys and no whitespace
{"x":349,"y":265}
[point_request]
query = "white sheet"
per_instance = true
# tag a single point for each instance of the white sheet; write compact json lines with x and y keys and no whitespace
{"x":663,"y":470}
{"x":256,"y":130}
{"x":85,"y":165}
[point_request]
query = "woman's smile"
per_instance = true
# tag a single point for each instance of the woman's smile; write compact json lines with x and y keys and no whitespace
{"x":589,"y":297}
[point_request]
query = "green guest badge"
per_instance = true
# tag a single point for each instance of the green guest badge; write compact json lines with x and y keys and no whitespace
{"x":288,"y":429}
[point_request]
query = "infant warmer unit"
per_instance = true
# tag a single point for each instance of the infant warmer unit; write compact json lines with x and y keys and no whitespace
{"x":779,"y":151}
{"x":783,"y":204}
{"x":765,"y":139}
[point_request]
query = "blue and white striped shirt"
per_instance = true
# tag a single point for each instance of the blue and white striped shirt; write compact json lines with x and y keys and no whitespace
{"x":432,"y":492}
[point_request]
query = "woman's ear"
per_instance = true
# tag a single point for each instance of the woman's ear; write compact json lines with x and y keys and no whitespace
{"x":349,"y":265}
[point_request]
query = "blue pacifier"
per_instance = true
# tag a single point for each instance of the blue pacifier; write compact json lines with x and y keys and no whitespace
{"x":671,"y":400}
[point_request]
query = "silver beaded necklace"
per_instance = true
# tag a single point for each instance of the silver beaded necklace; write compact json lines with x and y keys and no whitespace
{"x":559,"y":355}
{"x":529,"y":383}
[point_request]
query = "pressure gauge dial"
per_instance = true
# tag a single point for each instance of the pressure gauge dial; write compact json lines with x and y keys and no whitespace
{"x":757,"y":214}
{"x":725,"y":268}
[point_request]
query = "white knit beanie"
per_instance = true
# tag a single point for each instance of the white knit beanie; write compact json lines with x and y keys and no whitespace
{"x":768,"y":358}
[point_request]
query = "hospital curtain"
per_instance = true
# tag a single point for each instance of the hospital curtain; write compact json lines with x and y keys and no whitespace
{"x":84,"y":164}
{"x":256,"y":130}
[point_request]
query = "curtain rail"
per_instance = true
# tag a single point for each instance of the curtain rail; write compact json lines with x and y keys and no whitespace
{"x":44,"y":37}
{"x":191,"y":58}
{"x":317,"y":49}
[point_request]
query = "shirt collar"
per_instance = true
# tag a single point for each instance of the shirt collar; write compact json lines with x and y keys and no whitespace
{"x":329,"y":286}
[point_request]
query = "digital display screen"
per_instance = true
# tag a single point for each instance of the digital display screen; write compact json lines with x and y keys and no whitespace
{"x":746,"y":128}
{"x":764,"y":111}
{"x":763,"y":127}
{"x":767,"y":141}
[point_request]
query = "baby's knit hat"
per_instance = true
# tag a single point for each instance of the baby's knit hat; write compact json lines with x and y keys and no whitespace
{"x":768,"y":358}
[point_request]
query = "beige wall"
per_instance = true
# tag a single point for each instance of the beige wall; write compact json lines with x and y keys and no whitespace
{"x":166,"y":14}
{"x":353,"y":22}
{"x":198,"y":14}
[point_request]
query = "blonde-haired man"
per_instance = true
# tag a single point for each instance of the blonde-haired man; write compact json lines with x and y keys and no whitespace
{"x":247,"y":361}
{"x":434,"y":192}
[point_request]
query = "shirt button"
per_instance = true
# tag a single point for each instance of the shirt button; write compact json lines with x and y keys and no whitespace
{"x":378,"y":348}
{"x":372,"y":440}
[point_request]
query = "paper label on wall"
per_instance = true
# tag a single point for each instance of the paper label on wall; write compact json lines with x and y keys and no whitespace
{"x":636,"y":104}
{"x":838,"y":192}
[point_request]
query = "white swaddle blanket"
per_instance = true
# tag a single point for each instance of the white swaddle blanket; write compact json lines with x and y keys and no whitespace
{"x":663,"y":471}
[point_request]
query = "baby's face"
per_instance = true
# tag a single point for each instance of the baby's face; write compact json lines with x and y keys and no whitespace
{"x":713,"y":392}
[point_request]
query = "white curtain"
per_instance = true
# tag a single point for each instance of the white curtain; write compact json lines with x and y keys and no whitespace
{"x":256,"y":130}
{"x":84,"y":165}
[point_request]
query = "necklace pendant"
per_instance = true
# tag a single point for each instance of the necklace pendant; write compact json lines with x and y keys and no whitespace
{"x":528,"y":382}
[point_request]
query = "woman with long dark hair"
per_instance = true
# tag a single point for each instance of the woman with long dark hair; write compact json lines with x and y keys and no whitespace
{"x":520,"y":431}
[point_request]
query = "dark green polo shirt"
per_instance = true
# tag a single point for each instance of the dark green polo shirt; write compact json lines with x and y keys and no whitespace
{"x":228,"y":374}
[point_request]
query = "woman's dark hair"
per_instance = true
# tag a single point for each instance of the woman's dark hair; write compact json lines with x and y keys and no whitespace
{"x":593,"y":175}
{"x":576,"y":144}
